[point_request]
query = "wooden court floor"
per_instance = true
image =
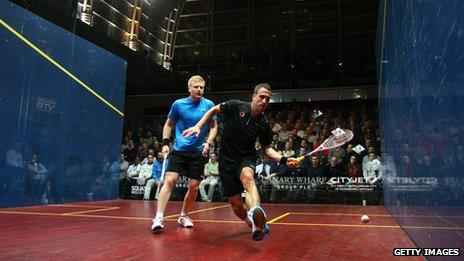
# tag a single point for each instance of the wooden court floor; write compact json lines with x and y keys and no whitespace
{"x":120,"y":230}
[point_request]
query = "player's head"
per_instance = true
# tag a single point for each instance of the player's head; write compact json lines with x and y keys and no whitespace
{"x":196,"y":86}
{"x":261,"y":97}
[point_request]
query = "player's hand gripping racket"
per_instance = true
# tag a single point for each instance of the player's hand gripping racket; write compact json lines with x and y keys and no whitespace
{"x":163,"y":171}
{"x":331,"y":142}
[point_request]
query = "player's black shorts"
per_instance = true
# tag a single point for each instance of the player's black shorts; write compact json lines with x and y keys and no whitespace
{"x":229,"y":173}
{"x":189,"y":164}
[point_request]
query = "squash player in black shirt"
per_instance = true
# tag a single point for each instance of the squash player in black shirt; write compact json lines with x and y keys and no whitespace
{"x":243,"y":124}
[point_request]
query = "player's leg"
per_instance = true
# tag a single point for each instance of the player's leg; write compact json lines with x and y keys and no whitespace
{"x":193,"y":167}
{"x":238,"y":206}
{"x":189,"y":198}
{"x":247,"y":178}
{"x":255,"y":213}
{"x":163,"y":199}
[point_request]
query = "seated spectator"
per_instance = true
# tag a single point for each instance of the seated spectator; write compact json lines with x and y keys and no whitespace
{"x":37,"y":181}
{"x":155,"y":176}
{"x":302,"y":152}
{"x":130,"y":151}
{"x":367,"y":158}
{"x":338,"y":152}
{"x":134,"y":169}
{"x":119,"y":167}
{"x":353,"y":169}
{"x":13,"y":157}
{"x":406,"y":168}
{"x":288,"y":150}
{"x":312,"y":167}
{"x":283,"y":133}
{"x":371,"y":170}
{"x":333,"y":168}
{"x":323,"y":154}
{"x":143,"y":150}
{"x":267,"y":173}
{"x":130,"y":177}
{"x":146,"y":171}
{"x":426,"y":168}
{"x":125,"y":143}
{"x":150,"y":152}
{"x":349,"y":152}
{"x":211,"y":173}
{"x":294,"y":140}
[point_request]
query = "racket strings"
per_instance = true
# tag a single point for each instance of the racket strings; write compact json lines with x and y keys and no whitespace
{"x":334,"y":141}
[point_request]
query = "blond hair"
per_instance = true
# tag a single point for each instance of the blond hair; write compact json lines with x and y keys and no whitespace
{"x":194,"y":79}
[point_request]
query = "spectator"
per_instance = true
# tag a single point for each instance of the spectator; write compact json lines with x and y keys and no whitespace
{"x":134,"y":169}
{"x":150,"y":152}
{"x":143,"y":150}
{"x":312,"y":167}
{"x":155,"y":176}
{"x":288,"y":151}
{"x":13,"y":157}
{"x":149,"y":139}
{"x":371,"y":169}
{"x":283,"y":133}
{"x":368,"y":158}
{"x":333,"y":168}
{"x":349,"y":152}
{"x":130,"y":178}
{"x":338,"y":152}
{"x":130,"y":151}
{"x":353,"y":169}
{"x":211,"y":173}
{"x":146,"y":171}
{"x":426,"y":168}
{"x":38,"y":181}
{"x":125,"y":143}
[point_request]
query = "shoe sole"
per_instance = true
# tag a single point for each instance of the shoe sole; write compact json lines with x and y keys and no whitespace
{"x":157,"y":229}
{"x":260,"y":221}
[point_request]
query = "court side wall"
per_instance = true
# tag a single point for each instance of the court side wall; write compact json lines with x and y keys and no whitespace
{"x":421,"y":76}
{"x":75,"y":135}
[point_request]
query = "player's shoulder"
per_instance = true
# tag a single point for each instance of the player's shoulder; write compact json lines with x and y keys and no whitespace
{"x":233,"y":103}
{"x":207,"y":101}
{"x":181,"y":101}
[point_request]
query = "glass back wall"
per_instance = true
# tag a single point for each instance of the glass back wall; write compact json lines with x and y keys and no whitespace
{"x":422,"y":106}
{"x":61,"y":102}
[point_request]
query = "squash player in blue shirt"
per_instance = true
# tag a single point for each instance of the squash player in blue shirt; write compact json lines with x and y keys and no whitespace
{"x":189,"y":154}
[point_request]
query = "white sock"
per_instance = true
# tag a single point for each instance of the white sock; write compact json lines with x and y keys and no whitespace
{"x":159,"y":214}
{"x":183,"y":214}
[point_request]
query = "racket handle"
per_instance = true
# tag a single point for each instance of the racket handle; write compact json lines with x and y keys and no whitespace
{"x":301,"y":158}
